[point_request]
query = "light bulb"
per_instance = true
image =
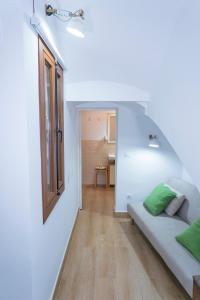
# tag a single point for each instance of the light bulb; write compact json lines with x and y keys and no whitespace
{"x":75,"y":32}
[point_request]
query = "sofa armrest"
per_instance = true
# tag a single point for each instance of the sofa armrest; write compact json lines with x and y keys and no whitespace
{"x":196,"y":287}
{"x":135,"y":200}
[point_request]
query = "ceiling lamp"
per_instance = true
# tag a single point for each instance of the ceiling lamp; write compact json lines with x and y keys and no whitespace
{"x":153,"y":141}
{"x":75,"y":19}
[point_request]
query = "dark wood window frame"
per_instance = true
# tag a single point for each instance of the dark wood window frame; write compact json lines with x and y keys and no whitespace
{"x":51,"y":129}
{"x":60,"y":130}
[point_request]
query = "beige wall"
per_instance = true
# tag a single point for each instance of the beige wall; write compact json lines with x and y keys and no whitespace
{"x":95,"y":149}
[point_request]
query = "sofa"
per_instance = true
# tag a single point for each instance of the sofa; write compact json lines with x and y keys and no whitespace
{"x":161,"y":231}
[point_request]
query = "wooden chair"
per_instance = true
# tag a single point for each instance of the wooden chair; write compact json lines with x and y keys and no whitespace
{"x":101,"y":170}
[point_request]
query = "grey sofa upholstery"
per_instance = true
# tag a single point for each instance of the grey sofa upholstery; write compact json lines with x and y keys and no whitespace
{"x":161,"y":231}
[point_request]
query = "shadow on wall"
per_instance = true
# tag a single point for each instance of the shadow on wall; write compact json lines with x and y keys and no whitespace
{"x":151,"y":165}
{"x":147,"y":126}
{"x":145,"y":123}
{"x":140,"y":167}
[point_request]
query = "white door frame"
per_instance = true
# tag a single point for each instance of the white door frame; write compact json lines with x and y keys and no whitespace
{"x":80,"y":109}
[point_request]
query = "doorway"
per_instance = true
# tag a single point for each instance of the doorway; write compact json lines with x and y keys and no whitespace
{"x":98,"y":157}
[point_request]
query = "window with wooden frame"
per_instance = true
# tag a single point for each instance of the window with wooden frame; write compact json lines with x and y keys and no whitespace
{"x":51,"y":128}
{"x":59,"y":122}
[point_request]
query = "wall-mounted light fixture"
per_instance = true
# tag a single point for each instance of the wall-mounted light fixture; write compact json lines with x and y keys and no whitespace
{"x":42,"y":28}
{"x":75,"y":19}
{"x":153,"y":141}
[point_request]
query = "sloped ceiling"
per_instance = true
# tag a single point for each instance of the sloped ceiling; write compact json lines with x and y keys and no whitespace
{"x":126,"y":40}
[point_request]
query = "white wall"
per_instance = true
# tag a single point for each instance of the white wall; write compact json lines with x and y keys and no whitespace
{"x":48,"y":241}
{"x":15,"y":265}
{"x":139,"y":168}
{"x":175,"y":105}
{"x":104,"y":90}
{"x":31,"y":253}
{"x":186,"y":176}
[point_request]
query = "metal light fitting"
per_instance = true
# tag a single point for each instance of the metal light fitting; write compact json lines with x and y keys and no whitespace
{"x":62,"y":14}
{"x":153,"y":141}
{"x":152,"y":137}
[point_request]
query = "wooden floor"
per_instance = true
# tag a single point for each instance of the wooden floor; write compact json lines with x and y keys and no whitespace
{"x":109,"y":258}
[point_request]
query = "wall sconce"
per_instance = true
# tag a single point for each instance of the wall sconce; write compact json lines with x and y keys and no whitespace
{"x":153,"y":141}
{"x":75,"y":19}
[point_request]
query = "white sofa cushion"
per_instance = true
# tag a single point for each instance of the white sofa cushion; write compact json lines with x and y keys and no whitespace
{"x":176,"y":203}
{"x":190,"y":210}
{"x":161,"y":231}
{"x":174,"y":206}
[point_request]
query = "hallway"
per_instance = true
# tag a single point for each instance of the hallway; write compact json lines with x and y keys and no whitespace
{"x":109,"y":258}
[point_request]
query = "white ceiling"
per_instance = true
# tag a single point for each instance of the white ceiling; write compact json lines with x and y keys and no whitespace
{"x":126,"y":40}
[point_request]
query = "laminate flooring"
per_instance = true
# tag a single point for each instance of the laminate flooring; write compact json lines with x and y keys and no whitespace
{"x":110,"y":259}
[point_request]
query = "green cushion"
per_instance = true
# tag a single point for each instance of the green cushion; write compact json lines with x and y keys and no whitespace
{"x":190,"y":239}
{"x":159,"y":199}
